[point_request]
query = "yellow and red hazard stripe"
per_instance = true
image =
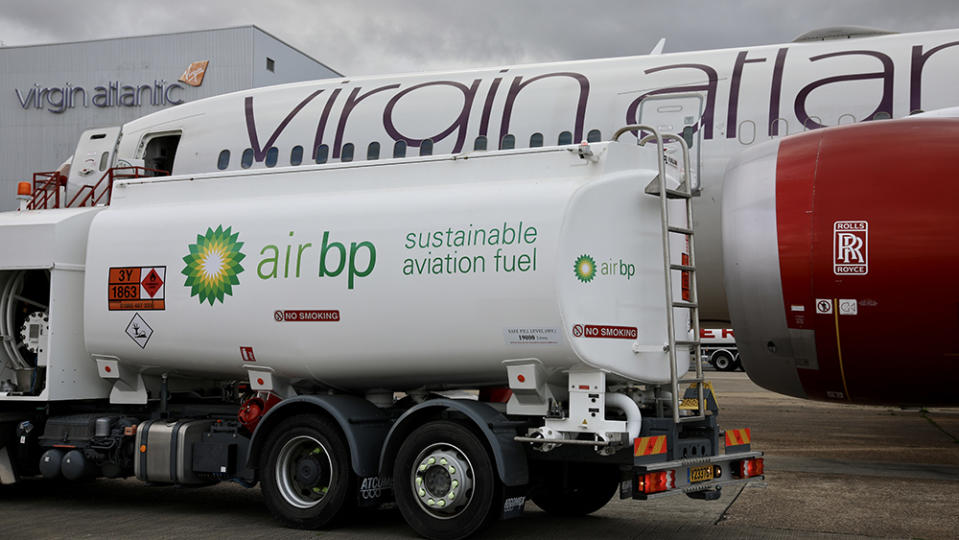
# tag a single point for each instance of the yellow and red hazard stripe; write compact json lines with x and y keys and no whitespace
{"x":649,"y":446}
{"x":736,"y":437}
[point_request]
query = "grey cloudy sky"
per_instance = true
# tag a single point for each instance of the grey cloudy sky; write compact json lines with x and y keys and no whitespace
{"x":361,"y":37}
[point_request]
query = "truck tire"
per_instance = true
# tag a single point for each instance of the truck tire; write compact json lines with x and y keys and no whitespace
{"x":307,"y":481}
{"x":445,"y":483}
{"x":739,"y":363}
{"x":723,"y":361}
{"x":581,"y":489}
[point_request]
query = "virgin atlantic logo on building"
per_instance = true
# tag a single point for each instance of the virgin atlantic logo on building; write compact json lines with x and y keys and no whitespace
{"x":158,"y":93}
{"x":193,"y":75}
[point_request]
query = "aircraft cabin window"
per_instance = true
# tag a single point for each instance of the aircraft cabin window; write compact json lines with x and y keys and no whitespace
{"x":347,"y":154}
{"x":747,"y":132}
{"x":536,"y":140}
{"x":247,"y":160}
{"x":399,"y":149}
{"x":480,"y":143}
{"x":271,"y":156}
{"x":508,"y":142}
{"x":373,"y":151}
{"x":270,"y":65}
{"x":224,"y":160}
{"x":846,"y":119}
{"x":296,"y":155}
{"x":322,"y":154}
{"x":565,"y":138}
{"x":426,"y":147}
{"x":104,"y":158}
{"x":594,"y":136}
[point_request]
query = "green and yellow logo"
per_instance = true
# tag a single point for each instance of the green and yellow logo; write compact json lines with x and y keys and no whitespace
{"x":585,"y":268}
{"x":213,"y":264}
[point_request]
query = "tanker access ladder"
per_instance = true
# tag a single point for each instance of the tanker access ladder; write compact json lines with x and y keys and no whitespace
{"x":687,"y":268}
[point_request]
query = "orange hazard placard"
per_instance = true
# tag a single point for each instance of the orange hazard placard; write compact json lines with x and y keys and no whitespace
{"x":132,"y":288}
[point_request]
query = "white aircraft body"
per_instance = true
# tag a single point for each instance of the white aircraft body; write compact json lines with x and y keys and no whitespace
{"x":725,"y":101}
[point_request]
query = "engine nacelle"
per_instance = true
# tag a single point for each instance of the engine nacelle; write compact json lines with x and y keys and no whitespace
{"x":839,"y":246}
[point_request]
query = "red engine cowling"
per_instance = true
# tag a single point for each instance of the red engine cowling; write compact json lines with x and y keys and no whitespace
{"x":841,"y":256}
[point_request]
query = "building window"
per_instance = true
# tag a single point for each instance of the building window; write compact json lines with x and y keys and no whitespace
{"x":480,"y":143}
{"x":565,"y":138}
{"x":426,"y":147}
{"x":270,"y":65}
{"x":399,"y":149}
{"x":247,"y":160}
{"x":508,"y":142}
{"x":594,"y":136}
{"x":322,"y":154}
{"x":536,"y":140}
{"x":271,"y":156}
{"x":373,"y":151}
{"x":347,"y":154}
{"x":224,"y":160}
{"x":296,"y":155}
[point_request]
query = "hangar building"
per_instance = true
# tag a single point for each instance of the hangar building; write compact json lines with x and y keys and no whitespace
{"x":52,"y":93}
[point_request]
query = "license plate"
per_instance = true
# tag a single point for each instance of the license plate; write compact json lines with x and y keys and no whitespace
{"x":700,"y":474}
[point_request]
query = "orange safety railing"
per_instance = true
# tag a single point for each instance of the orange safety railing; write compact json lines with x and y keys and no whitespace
{"x":46,"y":188}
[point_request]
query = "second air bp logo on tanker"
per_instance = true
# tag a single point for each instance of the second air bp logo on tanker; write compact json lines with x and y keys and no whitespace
{"x":850,"y":248}
{"x":213,"y":264}
{"x":585,"y":268}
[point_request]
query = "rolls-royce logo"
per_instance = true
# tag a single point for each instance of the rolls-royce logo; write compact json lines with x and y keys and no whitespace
{"x":850,"y":248}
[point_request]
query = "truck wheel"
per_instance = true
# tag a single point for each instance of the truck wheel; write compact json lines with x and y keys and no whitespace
{"x":444,"y":481}
{"x":582,"y":489}
{"x":739,"y":363}
{"x":723,"y":361}
{"x":307,"y":481}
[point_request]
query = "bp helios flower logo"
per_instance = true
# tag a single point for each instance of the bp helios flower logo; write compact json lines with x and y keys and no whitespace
{"x":213,"y":264}
{"x":585,"y":268}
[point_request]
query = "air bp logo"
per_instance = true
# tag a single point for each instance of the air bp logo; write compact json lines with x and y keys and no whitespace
{"x":585,"y":268}
{"x":213,"y":264}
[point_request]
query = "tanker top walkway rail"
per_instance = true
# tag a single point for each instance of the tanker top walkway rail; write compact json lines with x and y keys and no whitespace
{"x":49,"y":188}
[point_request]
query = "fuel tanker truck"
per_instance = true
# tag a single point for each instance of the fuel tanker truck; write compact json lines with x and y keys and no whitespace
{"x":456,"y":333}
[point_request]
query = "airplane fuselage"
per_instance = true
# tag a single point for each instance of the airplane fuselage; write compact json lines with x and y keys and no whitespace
{"x":727,"y":100}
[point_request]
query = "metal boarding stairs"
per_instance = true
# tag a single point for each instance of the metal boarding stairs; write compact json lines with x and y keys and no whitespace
{"x":658,"y":187}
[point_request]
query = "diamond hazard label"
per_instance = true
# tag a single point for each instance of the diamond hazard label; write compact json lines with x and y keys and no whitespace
{"x":152,"y":283}
{"x":139,"y":331}
{"x":136,"y":288}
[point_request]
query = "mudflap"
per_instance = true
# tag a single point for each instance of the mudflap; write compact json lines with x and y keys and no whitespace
{"x":373,"y":491}
{"x":514,"y":502}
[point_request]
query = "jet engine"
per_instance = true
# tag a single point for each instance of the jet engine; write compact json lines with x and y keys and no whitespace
{"x":841,"y":250}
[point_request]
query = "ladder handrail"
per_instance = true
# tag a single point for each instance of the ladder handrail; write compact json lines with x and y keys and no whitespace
{"x":685,"y":189}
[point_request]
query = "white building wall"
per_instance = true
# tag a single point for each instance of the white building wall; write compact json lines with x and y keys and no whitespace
{"x":39,"y":139}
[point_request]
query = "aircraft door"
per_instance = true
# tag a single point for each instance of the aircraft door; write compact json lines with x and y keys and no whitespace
{"x":678,"y":114}
{"x":93,"y":157}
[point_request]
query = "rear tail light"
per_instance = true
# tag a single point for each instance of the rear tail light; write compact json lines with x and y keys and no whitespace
{"x":751,"y":467}
{"x":656,"y":482}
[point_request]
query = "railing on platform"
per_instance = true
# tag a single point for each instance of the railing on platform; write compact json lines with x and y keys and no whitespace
{"x":47,"y":188}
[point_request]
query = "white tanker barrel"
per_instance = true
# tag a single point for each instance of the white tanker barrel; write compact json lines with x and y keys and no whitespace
{"x":397,"y":274}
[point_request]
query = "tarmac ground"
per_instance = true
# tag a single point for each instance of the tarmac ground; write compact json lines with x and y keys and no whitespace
{"x":832,"y":471}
